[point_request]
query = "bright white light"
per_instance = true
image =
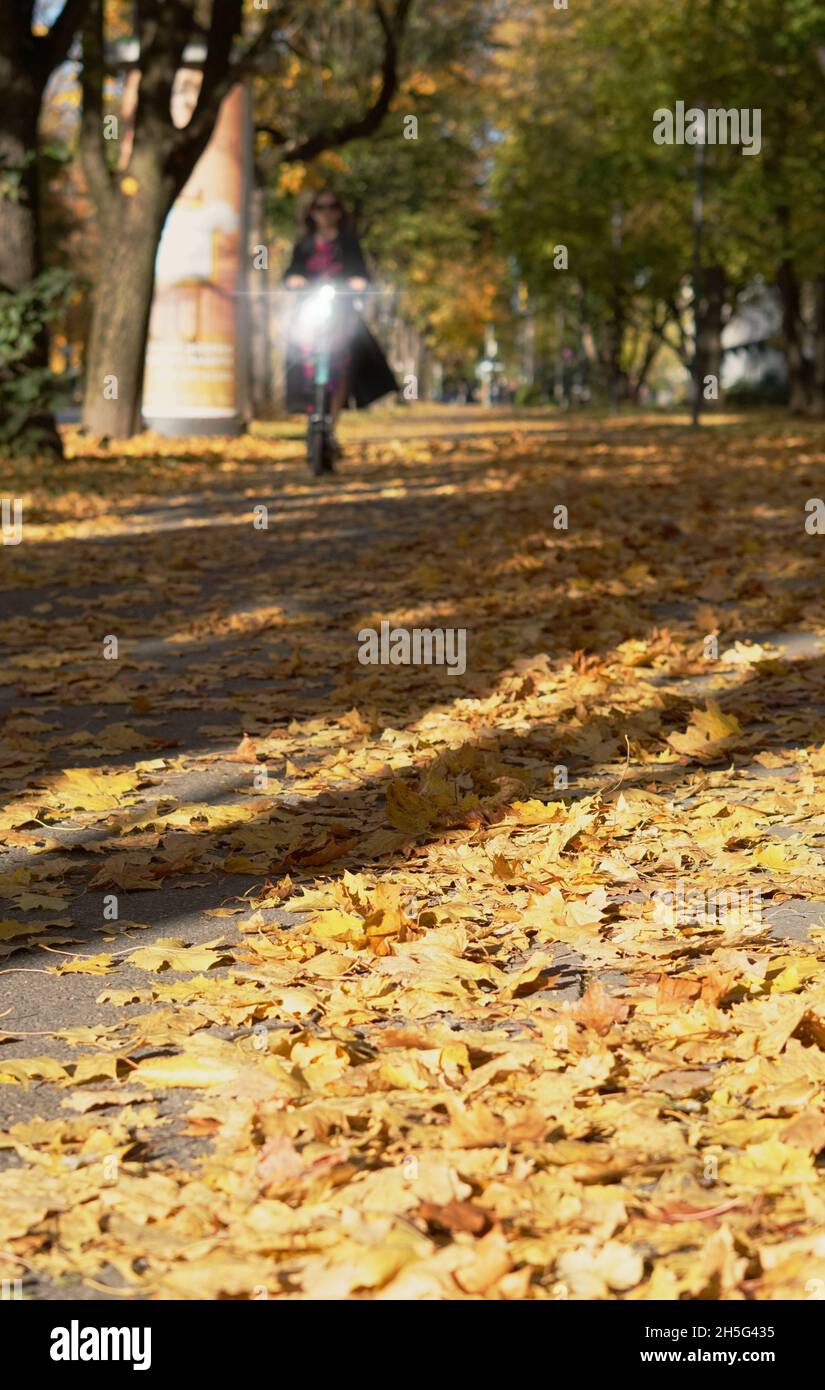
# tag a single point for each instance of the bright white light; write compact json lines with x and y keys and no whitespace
{"x":318,"y":307}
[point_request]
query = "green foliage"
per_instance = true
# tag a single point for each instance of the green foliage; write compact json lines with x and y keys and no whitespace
{"x":576,"y":163}
{"x":29,"y":391}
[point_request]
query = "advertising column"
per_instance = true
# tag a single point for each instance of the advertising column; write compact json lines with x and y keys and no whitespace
{"x":195,"y":374}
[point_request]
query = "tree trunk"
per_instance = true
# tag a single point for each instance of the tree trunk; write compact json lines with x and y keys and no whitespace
{"x":20,"y":233}
{"x":792,"y":332}
{"x":712,"y":313}
{"x":19,"y":192}
{"x":616,"y":380}
{"x":120,"y":316}
{"x":817,"y":396}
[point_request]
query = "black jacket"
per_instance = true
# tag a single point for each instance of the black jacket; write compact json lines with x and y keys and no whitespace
{"x":349,"y":253}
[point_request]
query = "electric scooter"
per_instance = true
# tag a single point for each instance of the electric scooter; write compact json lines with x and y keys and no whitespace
{"x":316,"y":321}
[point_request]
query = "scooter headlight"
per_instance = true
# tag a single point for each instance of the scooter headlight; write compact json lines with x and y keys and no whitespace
{"x":319,"y":306}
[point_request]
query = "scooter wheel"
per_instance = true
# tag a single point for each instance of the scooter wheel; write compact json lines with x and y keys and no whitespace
{"x":315,"y":451}
{"x":320,"y":450}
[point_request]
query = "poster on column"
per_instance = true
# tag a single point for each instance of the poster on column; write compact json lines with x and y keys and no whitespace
{"x":194,"y":368}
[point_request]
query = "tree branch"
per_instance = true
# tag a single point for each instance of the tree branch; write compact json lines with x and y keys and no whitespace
{"x":656,"y":328}
{"x":164,"y":32}
{"x":278,"y":137}
{"x":244,"y":65}
{"x":393,"y":31}
{"x":684,"y":349}
{"x":55,"y":44}
{"x":220,"y":74}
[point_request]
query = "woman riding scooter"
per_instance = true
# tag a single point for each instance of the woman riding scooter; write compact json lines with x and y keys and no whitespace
{"x":329,"y":251}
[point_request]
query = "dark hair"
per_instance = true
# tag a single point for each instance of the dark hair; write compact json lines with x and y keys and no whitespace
{"x":345,"y":224}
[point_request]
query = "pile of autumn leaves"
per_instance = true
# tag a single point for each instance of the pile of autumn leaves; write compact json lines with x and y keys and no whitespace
{"x":463,"y":1047}
{"x":398,"y":1105}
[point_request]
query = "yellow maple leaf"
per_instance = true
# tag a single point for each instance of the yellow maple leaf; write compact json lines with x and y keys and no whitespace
{"x":21,"y":1070}
{"x":786,"y":857}
{"x":169,"y":954}
{"x":83,"y":965}
{"x":406,"y":808}
{"x":708,"y":733}
{"x":184,"y":1070}
{"x":403,"y":1072}
{"x":87,"y":789}
{"x":92,"y":1068}
{"x":345,"y":928}
{"x":538,"y":812}
{"x":769,"y":1165}
{"x":9,"y":928}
